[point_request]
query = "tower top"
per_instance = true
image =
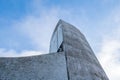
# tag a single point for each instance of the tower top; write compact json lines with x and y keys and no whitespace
{"x":81,"y":61}
{"x":58,"y":35}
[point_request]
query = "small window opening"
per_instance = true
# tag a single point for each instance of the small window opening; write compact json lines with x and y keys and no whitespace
{"x":60,"y":49}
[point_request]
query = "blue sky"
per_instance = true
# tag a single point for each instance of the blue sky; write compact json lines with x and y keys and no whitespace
{"x":26,"y":27}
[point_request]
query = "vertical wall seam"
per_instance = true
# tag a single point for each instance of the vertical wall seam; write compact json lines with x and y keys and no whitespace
{"x":65,"y":55}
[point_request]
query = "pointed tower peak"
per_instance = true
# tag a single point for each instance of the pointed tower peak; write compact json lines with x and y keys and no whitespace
{"x":61,"y":21}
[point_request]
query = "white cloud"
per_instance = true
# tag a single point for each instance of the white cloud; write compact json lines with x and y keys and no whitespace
{"x":13,"y":53}
{"x":109,"y":55}
{"x":39,"y":28}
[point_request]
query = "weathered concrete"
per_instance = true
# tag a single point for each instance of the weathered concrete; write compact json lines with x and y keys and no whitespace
{"x":82,"y":64}
{"x":73,"y":60}
{"x":44,"y":67}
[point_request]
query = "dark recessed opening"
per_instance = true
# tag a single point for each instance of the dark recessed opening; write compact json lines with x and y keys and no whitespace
{"x":60,"y":49}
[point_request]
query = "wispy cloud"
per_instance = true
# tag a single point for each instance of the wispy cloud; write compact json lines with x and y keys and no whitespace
{"x":110,"y":47}
{"x":13,"y":53}
{"x":109,"y":57}
{"x":39,"y":28}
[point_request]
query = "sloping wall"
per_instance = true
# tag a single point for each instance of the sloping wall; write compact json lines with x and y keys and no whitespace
{"x":43,"y":67}
{"x":82,"y":63}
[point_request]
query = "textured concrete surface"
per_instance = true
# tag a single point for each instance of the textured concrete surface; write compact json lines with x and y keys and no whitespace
{"x":43,"y":67}
{"x":82,"y":64}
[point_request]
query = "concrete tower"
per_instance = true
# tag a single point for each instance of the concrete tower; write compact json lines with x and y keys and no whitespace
{"x":70,"y":58}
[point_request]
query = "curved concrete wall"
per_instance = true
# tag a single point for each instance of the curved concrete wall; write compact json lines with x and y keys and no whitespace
{"x":43,"y":67}
{"x":82,"y":63}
